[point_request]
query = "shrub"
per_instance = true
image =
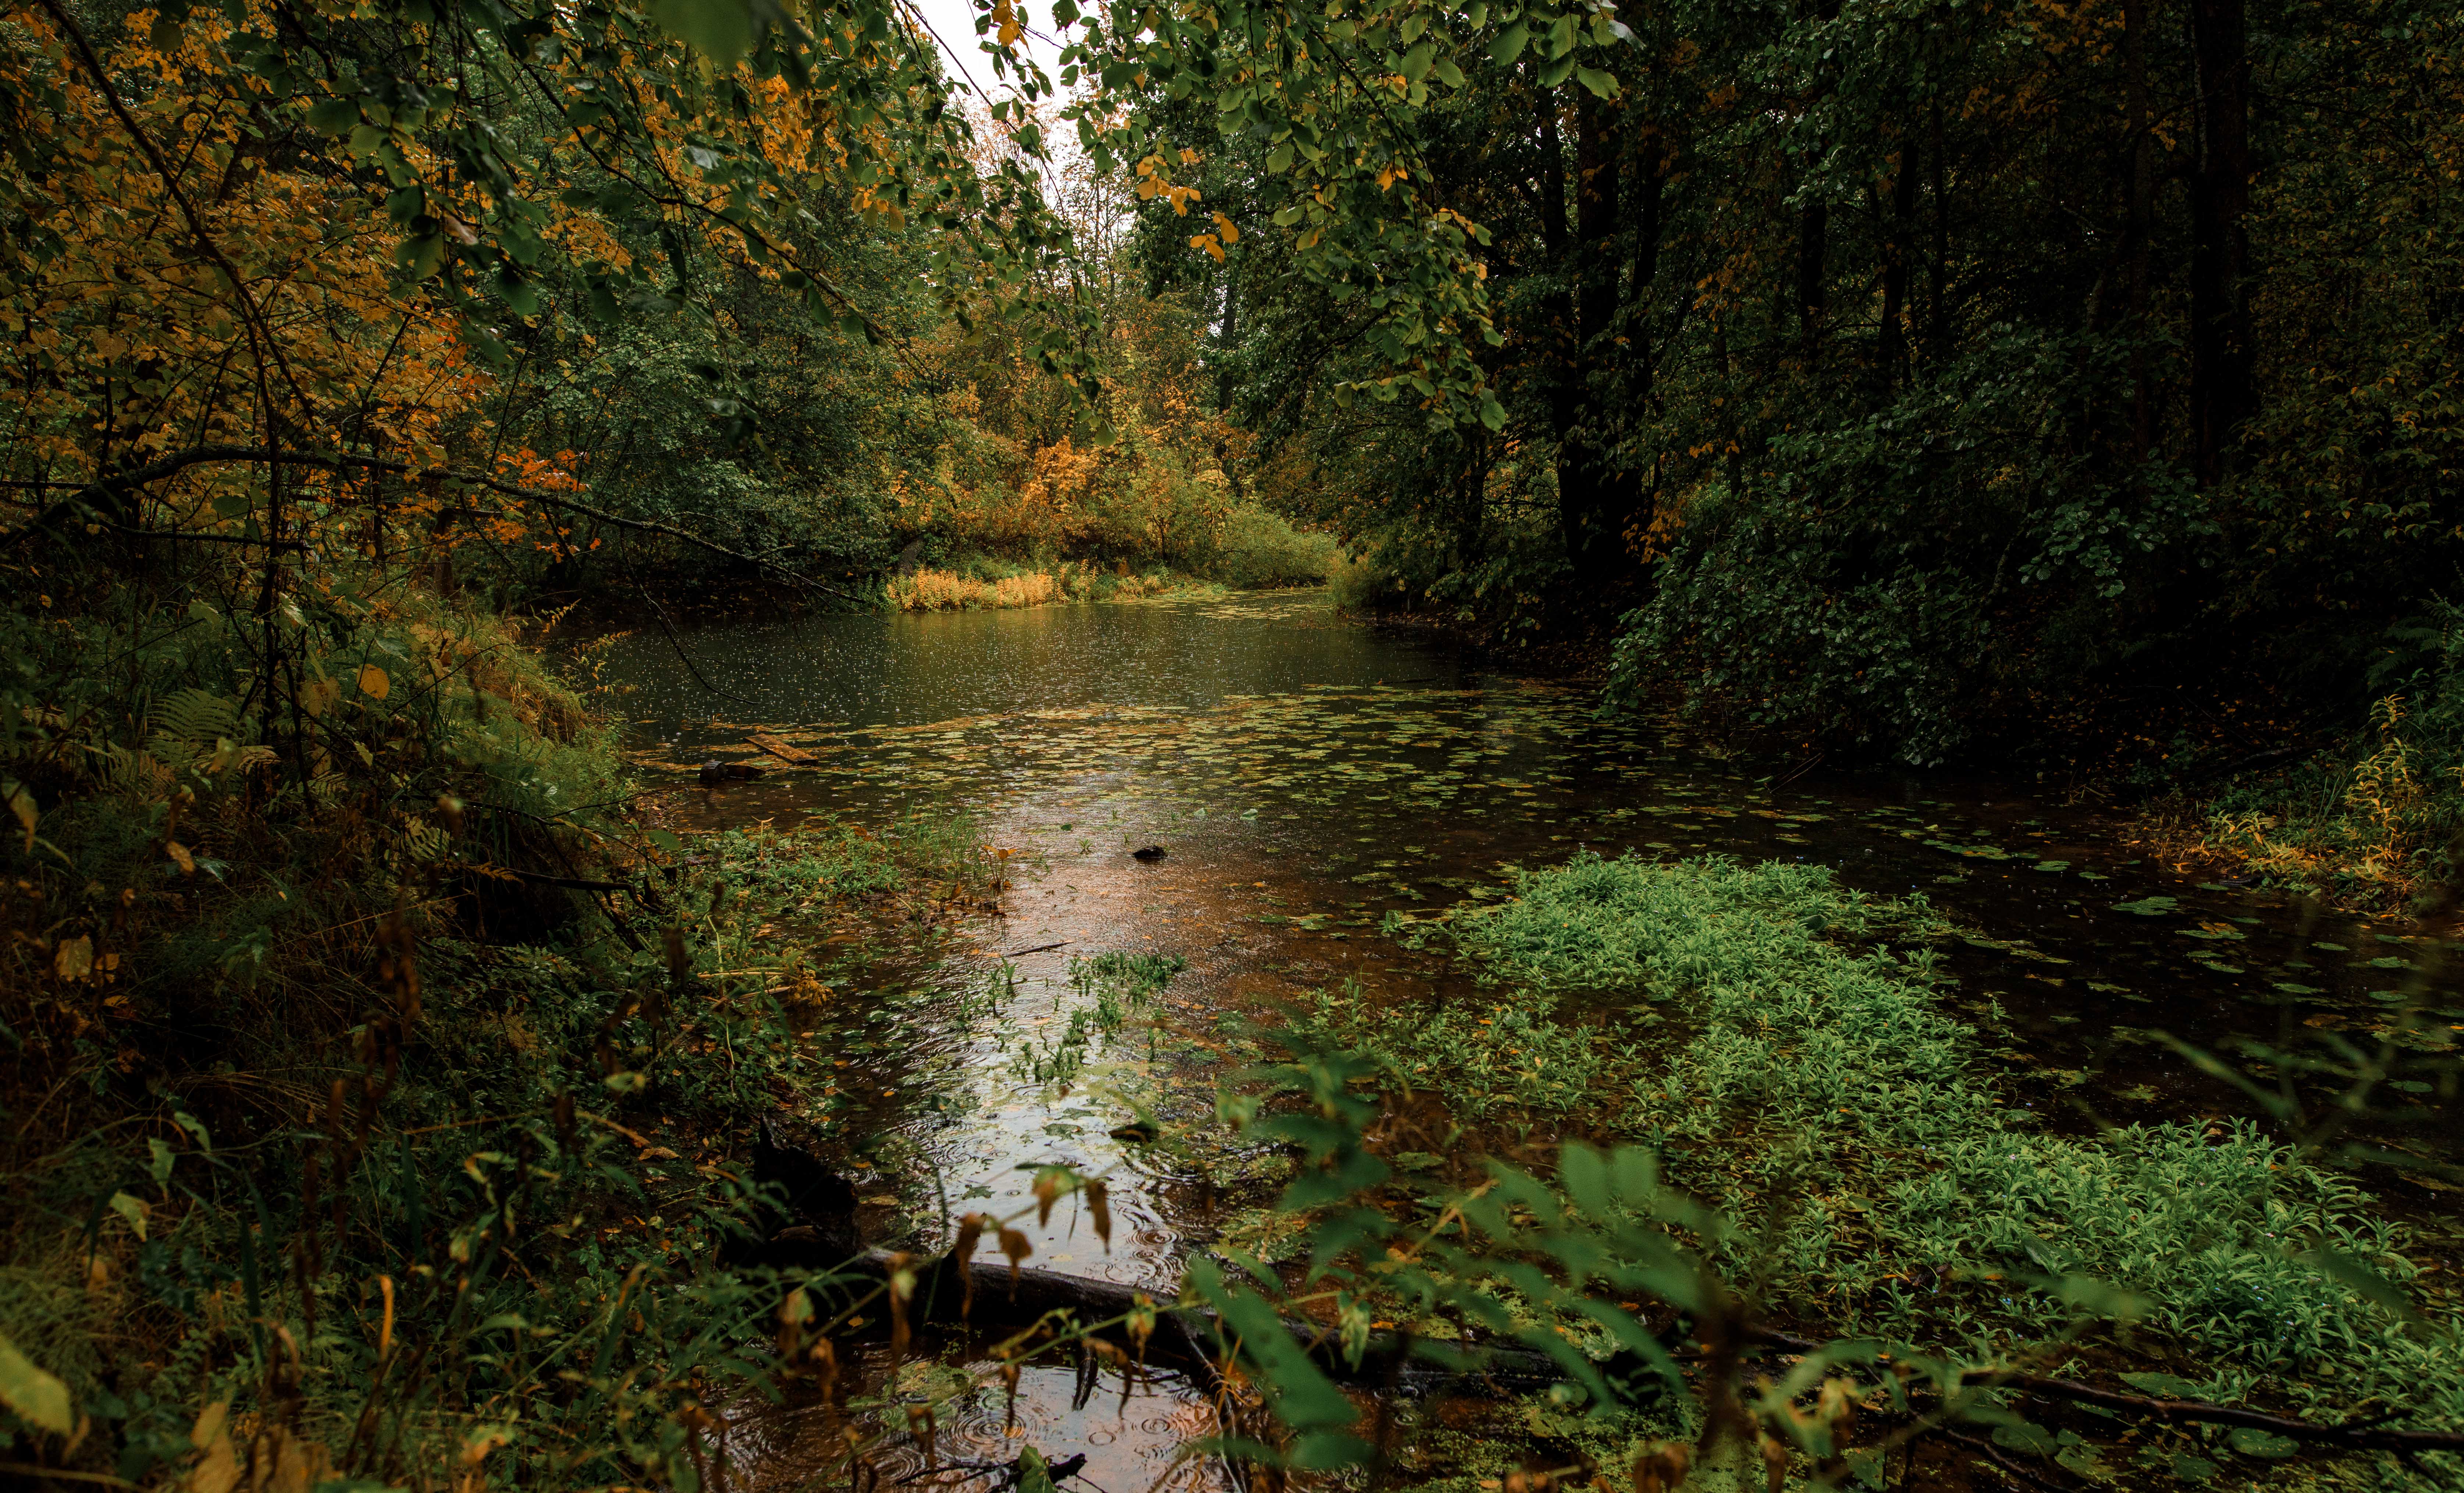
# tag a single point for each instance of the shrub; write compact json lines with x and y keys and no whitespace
{"x":1258,"y":549}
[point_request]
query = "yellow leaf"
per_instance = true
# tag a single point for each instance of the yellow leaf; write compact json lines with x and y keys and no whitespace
{"x":209,"y":1424}
{"x":38,"y":1399}
{"x":75,"y":958}
{"x":318,"y":696}
{"x":373,"y":682}
{"x":180,"y":857}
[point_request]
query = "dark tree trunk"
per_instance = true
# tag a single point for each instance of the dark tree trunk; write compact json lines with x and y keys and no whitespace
{"x":2141,"y":228}
{"x":1595,"y":497}
{"x":2220,"y":356}
{"x":1891,"y":346}
{"x":1937,"y":293}
{"x":1813,"y":233}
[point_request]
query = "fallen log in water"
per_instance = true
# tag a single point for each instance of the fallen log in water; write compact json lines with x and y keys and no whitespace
{"x":991,"y":1295}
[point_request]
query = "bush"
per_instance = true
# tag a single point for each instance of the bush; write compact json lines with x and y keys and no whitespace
{"x":1258,"y":549}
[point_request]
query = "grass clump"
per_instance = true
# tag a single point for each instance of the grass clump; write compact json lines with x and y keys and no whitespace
{"x":1815,"y":1091}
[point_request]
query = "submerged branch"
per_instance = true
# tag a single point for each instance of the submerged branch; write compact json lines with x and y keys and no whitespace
{"x":2369,"y":1436}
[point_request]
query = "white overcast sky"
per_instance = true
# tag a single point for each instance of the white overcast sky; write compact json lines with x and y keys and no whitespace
{"x":954,"y":22}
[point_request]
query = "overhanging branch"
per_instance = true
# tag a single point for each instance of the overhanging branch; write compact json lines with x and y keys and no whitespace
{"x":179,"y":461}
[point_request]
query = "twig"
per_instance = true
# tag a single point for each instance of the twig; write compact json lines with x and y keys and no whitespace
{"x":1993,"y":1453}
{"x":1040,"y":949}
{"x":677,"y":643}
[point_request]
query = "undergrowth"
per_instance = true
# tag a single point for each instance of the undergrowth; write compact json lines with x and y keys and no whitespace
{"x":373,"y":1081}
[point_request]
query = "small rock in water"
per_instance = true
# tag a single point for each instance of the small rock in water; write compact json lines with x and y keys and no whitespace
{"x":1149,"y":853}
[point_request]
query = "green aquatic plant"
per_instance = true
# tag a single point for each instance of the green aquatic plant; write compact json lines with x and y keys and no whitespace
{"x":1487,"y":1063}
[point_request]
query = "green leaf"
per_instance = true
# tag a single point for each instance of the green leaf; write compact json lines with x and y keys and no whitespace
{"x":161,"y":1158}
{"x":2252,"y":1441}
{"x":1416,"y":62}
{"x":37,"y":1399}
{"x":719,"y":29}
{"x":423,"y":256}
{"x":2025,"y":1436}
{"x":2148,"y":906}
{"x":2364,"y":1281}
{"x":1510,"y":42}
{"x":1601,"y":83}
{"x":335,"y":116}
{"x":133,"y":1209}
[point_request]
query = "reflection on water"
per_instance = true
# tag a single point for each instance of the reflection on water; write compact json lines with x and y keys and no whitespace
{"x":1318,"y":787}
{"x":1134,"y":1431}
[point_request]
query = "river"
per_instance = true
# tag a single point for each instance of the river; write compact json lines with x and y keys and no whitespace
{"x":1316,"y":786}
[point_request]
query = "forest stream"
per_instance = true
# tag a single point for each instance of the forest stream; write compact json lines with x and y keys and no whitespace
{"x":1320,"y":790}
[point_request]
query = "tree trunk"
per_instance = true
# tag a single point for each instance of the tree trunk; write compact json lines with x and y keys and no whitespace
{"x":1891,"y":346}
{"x":1813,"y":231}
{"x":2142,"y":226}
{"x":1593,"y":497}
{"x":2220,"y":356}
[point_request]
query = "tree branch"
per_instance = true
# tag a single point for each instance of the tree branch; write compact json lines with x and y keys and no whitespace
{"x":178,"y":461}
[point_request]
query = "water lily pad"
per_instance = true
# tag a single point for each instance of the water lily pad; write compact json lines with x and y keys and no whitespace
{"x":2148,"y":906}
{"x":2051,"y":865}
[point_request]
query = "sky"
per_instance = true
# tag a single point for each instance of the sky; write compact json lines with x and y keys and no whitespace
{"x":953,"y":23}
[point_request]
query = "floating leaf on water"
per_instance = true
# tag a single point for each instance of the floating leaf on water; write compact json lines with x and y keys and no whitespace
{"x":2051,"y":865}
{"x":2296,"y":988}
{"x":2148,"y":906}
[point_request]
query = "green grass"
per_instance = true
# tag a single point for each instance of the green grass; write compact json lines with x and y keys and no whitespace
{"x":1811,"y":1087}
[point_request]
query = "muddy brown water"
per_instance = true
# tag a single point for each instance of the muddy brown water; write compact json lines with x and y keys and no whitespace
{"x":1317,"y":786}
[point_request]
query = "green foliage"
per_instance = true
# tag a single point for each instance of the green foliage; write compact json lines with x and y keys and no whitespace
{"x":1257,"y":548}
{"x":1853,"y":1174}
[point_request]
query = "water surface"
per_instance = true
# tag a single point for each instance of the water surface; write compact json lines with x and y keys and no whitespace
{"x":1316,"y":786}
